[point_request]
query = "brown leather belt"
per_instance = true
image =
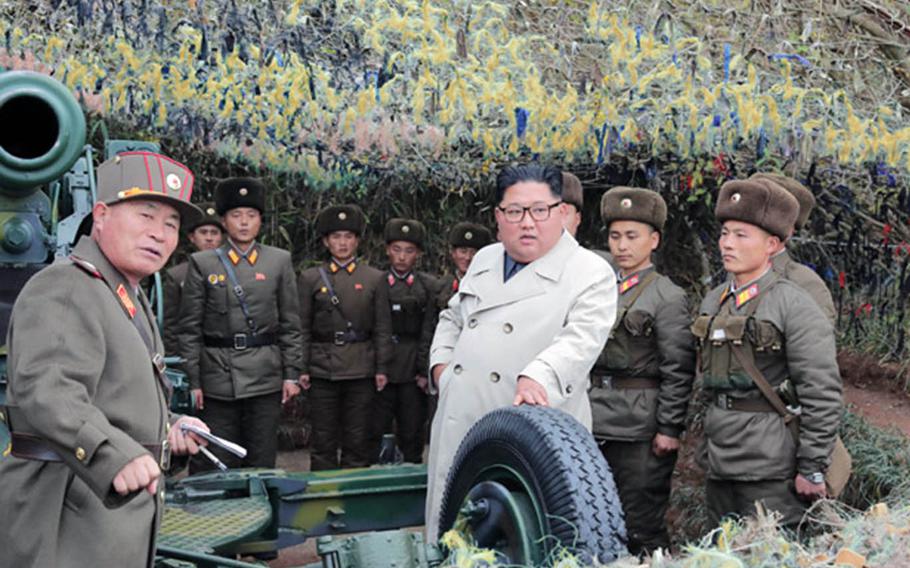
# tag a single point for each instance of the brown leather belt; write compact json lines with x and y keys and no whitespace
{"x":29,"y":447}
{"x":610,"y":382}
{"x":743,"y":404}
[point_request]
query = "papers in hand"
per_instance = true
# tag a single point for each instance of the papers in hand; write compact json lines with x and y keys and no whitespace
{"x":235,"y":449}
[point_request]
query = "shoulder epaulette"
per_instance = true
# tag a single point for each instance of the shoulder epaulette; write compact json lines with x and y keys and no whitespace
{"x":87,"y":266}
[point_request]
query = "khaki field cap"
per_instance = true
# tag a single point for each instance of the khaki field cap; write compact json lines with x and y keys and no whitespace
{"x":470,"y":235}
{"x":239,"y":192}
{"x":210,"y":217}
{"x":572,"y":192}
{"x":340,"y":218}
{"x":405,"y":230}
{"x":145,"y":175}
{"x":799,"y":191}
{"x":634,"y":204}
{"x":759,"y":202}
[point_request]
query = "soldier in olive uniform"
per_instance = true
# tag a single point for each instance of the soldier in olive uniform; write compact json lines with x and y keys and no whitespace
{"x":205,"y":234}
{"x":87,"y":397}
{"x":347,"y":339}
{"x":783,"y":263}
{"x":412,"y":301}
{"x":573,"y":197}
{"x":239,"y":330}
{"x":642,"y":381}
{"x":465,"y":239}
{"x":761,"y":326}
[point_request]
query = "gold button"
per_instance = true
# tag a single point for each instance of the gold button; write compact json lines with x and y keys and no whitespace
{"x":80,"y":454}
{"x":2,"y":418}
{"x":507,"y":327}
{"x":167,"y":427}
{"x":472,"y":323}
{"x":494,"y":376}
{"x":457,"y":369}
{"x":161,"y":495}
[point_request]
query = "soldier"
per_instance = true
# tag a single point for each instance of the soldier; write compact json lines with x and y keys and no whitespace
{"x":412,"y":301}
{"x":783,"y":263}
{"x":347,"y":338}
{"x":573,"y":197}
{"x":643,"y":377}
{"x":91,"y":432}
{"x":205,"y":234}
{"x":239,"y":330}
{"x":762,"y":339}
{"x":465,"y":239}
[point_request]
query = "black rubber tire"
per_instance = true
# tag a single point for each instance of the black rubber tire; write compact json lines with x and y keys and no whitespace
{"x":559,"y":458}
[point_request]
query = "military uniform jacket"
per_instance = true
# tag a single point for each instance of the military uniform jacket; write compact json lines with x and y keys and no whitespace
{"x":172,"y":286}
{"x":80,"y":378}
{"x":412,"y":304}
{"x":791,"y":339}
{"x":650,"y":339}
{"x":448,"y":286}
{"x":364,"y":301}
{"x":808,"y":280}
{"x":209,"y":307}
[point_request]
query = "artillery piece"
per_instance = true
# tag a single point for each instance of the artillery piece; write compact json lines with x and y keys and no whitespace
{"x":526,"y":483}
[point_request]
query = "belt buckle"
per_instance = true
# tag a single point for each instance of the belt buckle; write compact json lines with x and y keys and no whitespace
{"x":339,"y":338}
{"x":240,"y":341}
{"x":724,"y":401}
{"x":164,"y":460}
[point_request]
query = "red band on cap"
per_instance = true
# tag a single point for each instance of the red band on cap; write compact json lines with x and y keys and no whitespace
{"x":161,"y":172}
{"x":148,"y":170}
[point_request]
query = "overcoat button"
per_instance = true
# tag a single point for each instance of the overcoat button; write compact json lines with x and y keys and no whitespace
{"x":457,"y":369}
{"x":507,"y":327}
{"x":494,"y":376}
{"x":472,"y":323}
{"x":569,"y":389}
{"x":80,"y":454}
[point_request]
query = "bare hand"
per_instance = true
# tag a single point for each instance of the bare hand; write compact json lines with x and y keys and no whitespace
{"x":662,"y":444}
{"x":381,"y":381}
{"x":196,"y":399}
{"x":530,"y":392}
{"x":182,"y":443}
{"x":304,"y":381}
{"x":289,"y":390}
{"x":141,"y":473}
{"x":437,"y":372}
{"x":808,"y":490}
{"x":423,"y":384}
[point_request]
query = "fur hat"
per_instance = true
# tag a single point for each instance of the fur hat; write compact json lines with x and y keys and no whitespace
{"x":470,"y":235}
{"x":239,"y":192}
{"x":799,"y":191}
{"x":634,"y":204}
{"x":340,"y":218}
{"x":759,"y":202}
{"x":572,"y":192}
{"x":405,"y":230}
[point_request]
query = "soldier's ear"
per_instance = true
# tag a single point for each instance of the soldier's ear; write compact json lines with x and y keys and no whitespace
{"x":100,"y":213}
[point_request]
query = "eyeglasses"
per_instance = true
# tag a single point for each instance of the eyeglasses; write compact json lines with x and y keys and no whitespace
{"x":538,"y":211}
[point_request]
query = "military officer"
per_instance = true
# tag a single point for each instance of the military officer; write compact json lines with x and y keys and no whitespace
{"x":204,"y":234}
{"x":347,"y":338}
{"x":412,"y":297}
{"x":573,"y":197}
{"x":761,"y":339}
{"x":643,"y":377}
{"x":783,"y":263}
{"x":465,"y":239}
{"x":87,"y":394}
{"x":239,"y":329}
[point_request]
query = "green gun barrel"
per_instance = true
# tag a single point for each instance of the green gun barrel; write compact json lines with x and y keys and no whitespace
{"x":42,"y":132}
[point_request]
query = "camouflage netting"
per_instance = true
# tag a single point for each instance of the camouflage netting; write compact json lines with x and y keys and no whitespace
{"x":409,"y":107}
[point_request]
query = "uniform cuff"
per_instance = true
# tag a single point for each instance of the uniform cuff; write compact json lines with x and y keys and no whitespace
{"x":672,"y":431}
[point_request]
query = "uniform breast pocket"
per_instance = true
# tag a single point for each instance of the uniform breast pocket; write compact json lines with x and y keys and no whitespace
{"x":639,"y":324}
{"x":765,"y":336}
{"x":216,"y":298}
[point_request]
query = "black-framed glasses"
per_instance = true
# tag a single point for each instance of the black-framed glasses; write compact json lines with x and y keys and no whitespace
{"x":538,"y":211}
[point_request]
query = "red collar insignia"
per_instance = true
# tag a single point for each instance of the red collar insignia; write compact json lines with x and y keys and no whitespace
{"x":455,"y":284}
{"x":745,"y":295}
{"x":391,"y":280}
{"x":128,"y":304}
{"x":410,"y":279}
{"x":628,"y":284}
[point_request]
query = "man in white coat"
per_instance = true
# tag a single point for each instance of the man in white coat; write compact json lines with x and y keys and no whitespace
{"x":526,"y":326}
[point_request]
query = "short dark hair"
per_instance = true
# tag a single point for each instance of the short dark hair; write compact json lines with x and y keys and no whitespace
{"x":510,"y":175}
